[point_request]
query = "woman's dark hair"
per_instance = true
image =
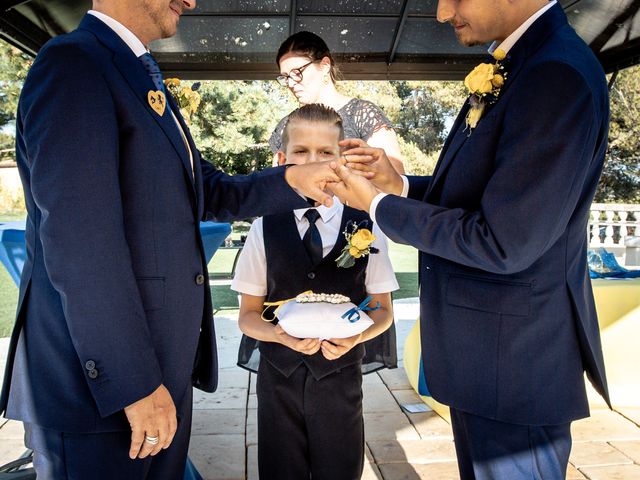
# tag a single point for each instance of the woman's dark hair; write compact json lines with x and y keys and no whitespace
{"x":309,"y":45}
{"x":313,"y":112}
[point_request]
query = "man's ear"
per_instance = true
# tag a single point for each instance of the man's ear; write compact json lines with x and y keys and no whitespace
{"x":282,"y":158}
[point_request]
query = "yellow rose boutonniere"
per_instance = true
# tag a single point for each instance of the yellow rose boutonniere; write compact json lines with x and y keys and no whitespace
{"x":484,"y":84}
{"x":187,"y":98}
{"x":358,"y":245}
{"x":479,"y":81}
{"x":361,"y":239}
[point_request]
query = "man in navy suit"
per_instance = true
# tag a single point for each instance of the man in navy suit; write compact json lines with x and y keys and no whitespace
{"x":114,"y":322}
{"x":508,"y":321}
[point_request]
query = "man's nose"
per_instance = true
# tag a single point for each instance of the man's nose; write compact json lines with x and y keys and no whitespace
{"x":446,"y":10}
{"x":189,"y":4}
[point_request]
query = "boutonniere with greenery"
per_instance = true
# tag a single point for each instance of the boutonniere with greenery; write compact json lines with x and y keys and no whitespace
{"x":187,"y":98}
{"x":358,"y":245}
{"x":484,"y":84}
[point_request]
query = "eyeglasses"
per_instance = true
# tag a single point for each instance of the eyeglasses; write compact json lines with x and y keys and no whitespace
{"x":295,"y":75}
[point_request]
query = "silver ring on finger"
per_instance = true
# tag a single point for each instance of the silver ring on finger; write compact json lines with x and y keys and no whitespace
{"x":345,"y":158}
{"x":151,"y":440}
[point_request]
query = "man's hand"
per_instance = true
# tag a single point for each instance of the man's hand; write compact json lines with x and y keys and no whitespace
{"x":311,"y":180}
{"x":353,"y":189}
{"x":334,"y":348}
{"x":371,"y":163}
{"x":308,"y":346}
{"x":152,"y":416}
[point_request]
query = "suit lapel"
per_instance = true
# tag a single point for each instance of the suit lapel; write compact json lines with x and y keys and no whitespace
{"x":138,"y":79}
{"x":524,"y":48}
{"x":454,"y":142}
{"x":186,"y":161}
{"x":195,"y":171}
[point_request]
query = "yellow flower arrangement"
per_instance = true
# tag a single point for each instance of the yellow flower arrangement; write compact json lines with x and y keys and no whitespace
{"x":362,"y":238}
{"x":480,"y":80}
{"x":484,"y":84}
{"x":358,"y":245}
{"x":187,"y":98}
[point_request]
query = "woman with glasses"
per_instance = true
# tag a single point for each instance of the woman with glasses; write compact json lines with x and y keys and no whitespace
{"x":308,"y":70}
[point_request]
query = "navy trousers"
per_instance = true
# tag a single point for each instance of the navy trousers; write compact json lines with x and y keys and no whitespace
{"x":310,"y":428}
{"x":105,"y":456}
{"x":492,"y":450}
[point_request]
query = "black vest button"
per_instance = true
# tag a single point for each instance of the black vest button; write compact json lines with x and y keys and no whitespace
{"x":199,"y":279}
{"x":90,"y":365}
{"x":311,"y":275}
{"x":93,"y":374}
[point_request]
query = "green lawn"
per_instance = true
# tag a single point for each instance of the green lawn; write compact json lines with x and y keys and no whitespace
{"x":404,"y":259}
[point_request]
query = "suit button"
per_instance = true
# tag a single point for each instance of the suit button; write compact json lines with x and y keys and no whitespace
{"x":199,"y":279}
{"x":311,"y":275}
{"x":90,"y":365}
{"x":93,"y":373}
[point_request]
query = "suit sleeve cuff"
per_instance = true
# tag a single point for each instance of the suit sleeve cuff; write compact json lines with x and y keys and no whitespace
{"x":374,"y":205}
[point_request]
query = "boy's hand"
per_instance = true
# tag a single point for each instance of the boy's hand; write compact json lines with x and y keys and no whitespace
{"x":308,"y":346}
{"x":334,"y":348}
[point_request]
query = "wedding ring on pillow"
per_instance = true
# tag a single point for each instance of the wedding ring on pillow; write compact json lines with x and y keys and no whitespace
{"x":151,"y":440}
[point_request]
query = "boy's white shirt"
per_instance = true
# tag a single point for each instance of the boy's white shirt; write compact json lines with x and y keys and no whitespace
{"x":251,"y":270}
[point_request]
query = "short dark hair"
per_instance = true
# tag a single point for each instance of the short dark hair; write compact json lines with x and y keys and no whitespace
{"x":313,"y":112}
{"x":309,"y":45}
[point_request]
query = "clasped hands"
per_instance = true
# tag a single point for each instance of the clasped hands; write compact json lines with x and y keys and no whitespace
{"x":355,"y":178}
{"x":332,"y":349}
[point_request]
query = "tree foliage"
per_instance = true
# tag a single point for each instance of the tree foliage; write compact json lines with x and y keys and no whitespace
{"x":14,"y":66}
{"x":620,"y":181}
{"x":234,"y":123}
{"x":236,"y":118}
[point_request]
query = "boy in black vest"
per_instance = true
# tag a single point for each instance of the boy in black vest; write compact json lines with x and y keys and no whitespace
{"x":309,"y":391}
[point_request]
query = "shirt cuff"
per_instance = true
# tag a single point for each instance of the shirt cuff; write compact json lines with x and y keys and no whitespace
{"x":387,"y":286}
{"x":374,"y":205}
{"x":248,"y":288}
{"x":405,"y":186}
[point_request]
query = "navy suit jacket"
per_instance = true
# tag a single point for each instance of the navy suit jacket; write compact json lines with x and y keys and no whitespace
{"x":508,"y":321}
{"x":114,"y":297}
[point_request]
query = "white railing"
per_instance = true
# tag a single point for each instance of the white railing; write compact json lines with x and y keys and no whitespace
{"x":611,"y":224}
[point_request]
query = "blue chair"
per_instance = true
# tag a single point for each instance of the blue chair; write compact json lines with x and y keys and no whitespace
{"x":13,"y":252}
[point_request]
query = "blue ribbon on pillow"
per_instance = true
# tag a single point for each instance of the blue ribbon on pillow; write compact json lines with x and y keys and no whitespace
{"x":353,"y":315}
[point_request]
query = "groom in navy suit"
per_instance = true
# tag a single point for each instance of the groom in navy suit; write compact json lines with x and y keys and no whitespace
{"x":114,"y":322}
{"x":508,"y":321}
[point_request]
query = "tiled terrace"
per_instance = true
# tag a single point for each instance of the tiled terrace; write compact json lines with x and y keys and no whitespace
{"x":400,"y":445}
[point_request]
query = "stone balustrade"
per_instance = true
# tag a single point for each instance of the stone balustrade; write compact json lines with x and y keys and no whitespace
{"x":611,"y":224}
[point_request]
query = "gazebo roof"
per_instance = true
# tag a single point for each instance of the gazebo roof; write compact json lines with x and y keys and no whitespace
{"x":372,"y":39}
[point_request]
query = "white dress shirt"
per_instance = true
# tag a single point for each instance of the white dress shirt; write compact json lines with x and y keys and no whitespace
{"x":127,"y":36}
{"x":506,"y":45}
{"x":251,"y":271}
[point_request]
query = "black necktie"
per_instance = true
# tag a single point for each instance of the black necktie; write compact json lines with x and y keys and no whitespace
{"x":153,"y":70}
{"x":312,"y":240}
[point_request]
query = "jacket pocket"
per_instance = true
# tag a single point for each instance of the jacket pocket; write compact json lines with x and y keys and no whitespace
{"x":505,"y":298}
{"x":152,"y":292}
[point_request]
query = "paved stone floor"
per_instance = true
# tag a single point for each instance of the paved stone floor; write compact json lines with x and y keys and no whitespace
{"x":400,"y":445}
